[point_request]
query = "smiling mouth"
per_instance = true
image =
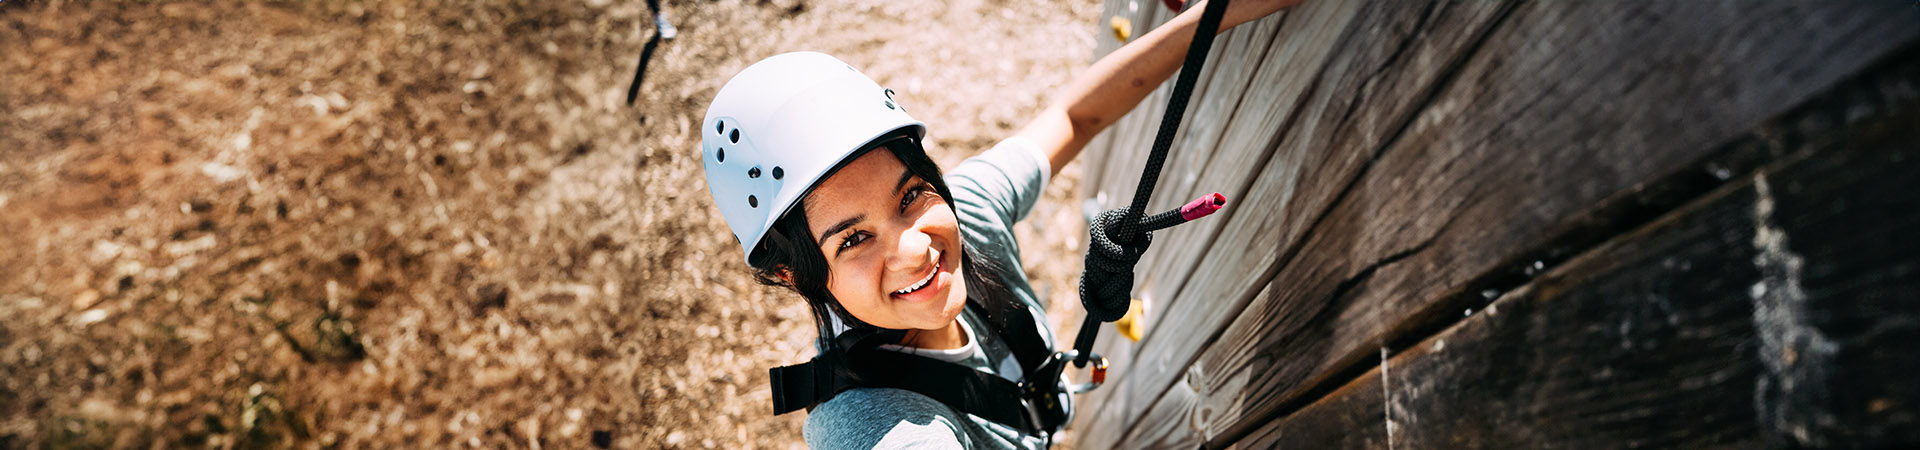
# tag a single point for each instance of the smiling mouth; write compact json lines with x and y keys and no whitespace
{"x":923,"y":283}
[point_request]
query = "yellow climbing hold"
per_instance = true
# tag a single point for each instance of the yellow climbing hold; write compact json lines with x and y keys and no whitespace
{"x":1134,"y":323}
{"x":1122,"y":28}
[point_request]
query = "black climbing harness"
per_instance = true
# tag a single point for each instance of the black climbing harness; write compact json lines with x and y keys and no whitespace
{"x":1036,"y":407}
{"x":1033,"y":406}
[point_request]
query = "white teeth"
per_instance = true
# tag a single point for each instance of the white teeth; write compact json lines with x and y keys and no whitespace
{"x":921,"y":284}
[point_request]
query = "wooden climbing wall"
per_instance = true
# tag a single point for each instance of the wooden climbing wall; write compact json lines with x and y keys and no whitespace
{"x":1529,"y":224}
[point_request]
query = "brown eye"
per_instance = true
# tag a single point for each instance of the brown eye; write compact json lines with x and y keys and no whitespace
{"x":851,"y":240}
{"x":911,"y":195}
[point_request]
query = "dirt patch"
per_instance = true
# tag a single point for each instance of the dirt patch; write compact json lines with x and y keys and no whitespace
{"x":372,"y":225}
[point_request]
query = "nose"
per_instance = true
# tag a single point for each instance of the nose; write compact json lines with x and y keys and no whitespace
{"x":910,"y":252}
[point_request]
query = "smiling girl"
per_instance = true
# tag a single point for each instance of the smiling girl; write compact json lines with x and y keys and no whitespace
{"x":929,"y":330}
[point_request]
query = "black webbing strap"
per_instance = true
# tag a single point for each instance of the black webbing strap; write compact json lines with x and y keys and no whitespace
{"x":1021,"y":332}
{"x":963,"y":388}
{"x":1118,"y":238}
{"x":804,"y":385}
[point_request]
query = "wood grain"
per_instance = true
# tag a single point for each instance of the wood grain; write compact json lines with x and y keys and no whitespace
{"x":1218,"y":94}
{"x":1360,"y":71}
{"x":1510,"y":152}
{"x":1273,"y":91}
{"x":1119,"y":151}
{"x":1114,"y":145}
{"x":1133,"y":133}
{"x":1775,"y":312}
{"x":1229,"y":123}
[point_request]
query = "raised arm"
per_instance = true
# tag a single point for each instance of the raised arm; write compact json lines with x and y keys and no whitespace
{"x":1117,"y":82}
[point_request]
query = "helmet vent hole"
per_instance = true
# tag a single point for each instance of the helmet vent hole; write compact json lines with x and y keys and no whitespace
{"x":720,"y":127}
{"x":778,"y":174}
{"x":753,"y":202}
{"x":734,"y":136}
{"x":720,"y":155}
{"x":753,"y":173}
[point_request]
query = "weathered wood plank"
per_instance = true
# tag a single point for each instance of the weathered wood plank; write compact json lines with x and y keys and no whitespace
{"x":1225,"y":64}
{"x":1098,"y":150}
{"x":1231,"y":67}
{"x":1242,"y":102}
{"x":1279,"y":83}
{"x":1229,"y":71}
{"x":1123,"y":148}
{"x":1777,"y":312}
{"x":1217,"y":92}
{"x":1389,"y":50}
{"x":1592,"y":93}
{"x":1133,"y":133}
{"x":1200,"y":142}
{"x":1118,"y":349}
{"x":1353,"y":416}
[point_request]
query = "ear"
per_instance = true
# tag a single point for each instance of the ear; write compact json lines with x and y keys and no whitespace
{"x":785,"y":275}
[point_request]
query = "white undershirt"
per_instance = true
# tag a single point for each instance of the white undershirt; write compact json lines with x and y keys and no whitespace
{"x":956,"y":355}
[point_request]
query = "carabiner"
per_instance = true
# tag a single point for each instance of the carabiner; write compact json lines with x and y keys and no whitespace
{"x":1057,"y":365}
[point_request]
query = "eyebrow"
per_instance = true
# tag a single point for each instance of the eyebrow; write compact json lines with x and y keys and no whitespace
{"x":905,"y":176}
{"x":838,"y":227}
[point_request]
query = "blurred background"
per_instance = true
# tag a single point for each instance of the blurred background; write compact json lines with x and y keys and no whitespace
{"x":388,"y":225}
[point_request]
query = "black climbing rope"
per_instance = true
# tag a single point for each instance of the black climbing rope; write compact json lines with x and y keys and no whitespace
{"x":663,"y":30}
{"x":1119,"y":236}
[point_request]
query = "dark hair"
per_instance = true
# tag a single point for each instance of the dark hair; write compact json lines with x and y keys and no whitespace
{"x":789,"y":249}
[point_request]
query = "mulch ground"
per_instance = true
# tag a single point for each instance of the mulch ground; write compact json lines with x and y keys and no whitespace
{"x":402,"y":226}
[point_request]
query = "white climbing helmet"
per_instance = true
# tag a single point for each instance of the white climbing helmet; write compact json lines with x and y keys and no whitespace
{"x":776,"y":129}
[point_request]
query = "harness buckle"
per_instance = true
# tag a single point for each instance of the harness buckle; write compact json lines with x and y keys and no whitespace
{"x":1047,"y":395}
{"x":1051,"y":371}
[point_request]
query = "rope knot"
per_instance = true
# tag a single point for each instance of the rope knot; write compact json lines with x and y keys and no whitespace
{"x":1107,"y":284}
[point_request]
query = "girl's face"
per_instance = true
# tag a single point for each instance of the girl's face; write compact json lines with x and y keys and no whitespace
{"x":892,"y":244}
